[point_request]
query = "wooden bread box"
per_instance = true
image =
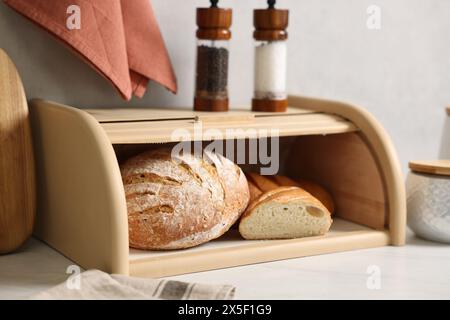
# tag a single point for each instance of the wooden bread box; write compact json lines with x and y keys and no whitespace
{"x":82,"y":209}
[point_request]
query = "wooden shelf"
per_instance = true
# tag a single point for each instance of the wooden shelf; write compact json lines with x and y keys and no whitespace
{"x":157,"y":125}
{"x":231,"y":250}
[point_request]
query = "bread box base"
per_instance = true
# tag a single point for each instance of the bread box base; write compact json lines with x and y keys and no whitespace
{"x":231,"y":250}
{"x":82,"y":208}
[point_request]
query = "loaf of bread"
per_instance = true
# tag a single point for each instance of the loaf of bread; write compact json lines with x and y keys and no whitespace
{"x":284,"y":213}
{"x":254,"y":191}
{"x":311,"y":187}
{"x":182,"y":201}
{"x":267,"y":183}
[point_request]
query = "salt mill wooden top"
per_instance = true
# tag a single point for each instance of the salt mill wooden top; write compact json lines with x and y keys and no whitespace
{"x":270,"y":24}
{"x":17,"y":176}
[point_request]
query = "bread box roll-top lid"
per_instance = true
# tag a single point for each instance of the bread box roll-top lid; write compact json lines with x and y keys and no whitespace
{"x":433,"y":167}
{"x":270,"y":24}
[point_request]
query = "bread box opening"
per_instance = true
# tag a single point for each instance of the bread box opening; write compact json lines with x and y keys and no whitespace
{"x":341,"y":163}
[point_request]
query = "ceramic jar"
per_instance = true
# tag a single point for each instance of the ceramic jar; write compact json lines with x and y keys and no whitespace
{"x":428,"y":189}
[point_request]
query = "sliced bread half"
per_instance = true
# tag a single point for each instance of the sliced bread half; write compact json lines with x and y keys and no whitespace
{"x":285,"y":213}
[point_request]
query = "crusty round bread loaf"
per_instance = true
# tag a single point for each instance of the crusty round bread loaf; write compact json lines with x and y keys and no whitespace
{"x":285,"y":213}
{"x":181,"y":201}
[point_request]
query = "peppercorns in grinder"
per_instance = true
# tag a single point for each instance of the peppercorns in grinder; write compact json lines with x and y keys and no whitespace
{"x":211,"y":80}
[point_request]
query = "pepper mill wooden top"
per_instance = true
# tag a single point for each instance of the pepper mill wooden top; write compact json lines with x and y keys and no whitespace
{"x":270,"y":24}
{"x":214,"y":23}
{"x":17,"y":175}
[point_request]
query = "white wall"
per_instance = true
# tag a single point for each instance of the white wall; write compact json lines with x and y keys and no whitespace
{"x":400,"y":73}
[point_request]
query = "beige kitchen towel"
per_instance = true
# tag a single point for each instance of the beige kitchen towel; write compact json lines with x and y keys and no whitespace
{"x":97,"y":285}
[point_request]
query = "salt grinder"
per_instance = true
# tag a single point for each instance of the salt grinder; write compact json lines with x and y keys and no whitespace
{"x":270,"y":59}
{"x":211,"y":81}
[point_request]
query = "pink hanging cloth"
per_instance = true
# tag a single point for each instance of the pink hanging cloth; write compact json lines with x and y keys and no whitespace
{"x":119,"y":38}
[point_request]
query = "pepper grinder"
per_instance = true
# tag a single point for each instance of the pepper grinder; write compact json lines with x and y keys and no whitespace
{"x":213,"y":34}
{"x":270,"y":59}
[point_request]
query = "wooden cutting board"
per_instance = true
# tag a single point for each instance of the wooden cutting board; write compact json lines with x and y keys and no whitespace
{"x":17,"y":176}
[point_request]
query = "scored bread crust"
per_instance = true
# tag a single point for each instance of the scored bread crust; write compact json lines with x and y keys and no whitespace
{"x":255,"y":192}
{"x":263,"y":197}
{"x":263,"y":183}
{"x":285,"y":195}
{"x":182,"y":201}
{"x":267,"y":183}
{"x":319,"y":192}
{"x":313,"y":188}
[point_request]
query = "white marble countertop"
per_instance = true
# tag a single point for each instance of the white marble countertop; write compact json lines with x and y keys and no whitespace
{"x":420,"y":270}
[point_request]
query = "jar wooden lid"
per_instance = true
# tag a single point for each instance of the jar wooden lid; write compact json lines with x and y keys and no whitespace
{"x":270,"y":24}
{"x":214,"y":23}
{"x":435,"y":167}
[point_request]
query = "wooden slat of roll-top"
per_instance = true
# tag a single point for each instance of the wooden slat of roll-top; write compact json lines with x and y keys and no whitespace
{"x":134,"y":114}
{"x":158,"y":125}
